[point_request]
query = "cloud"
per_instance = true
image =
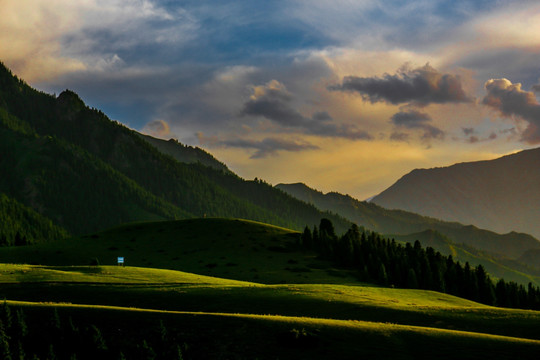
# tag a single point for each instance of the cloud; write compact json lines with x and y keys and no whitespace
{"x":413,"y":119}
{"x":43,"y":39}
{"x":536,"y":88}
{"x":273,"y":102}
{"x":157,"y":128}
{"x":421,"y":86}
{"x":263,"y":148}
{"x":468,"y":130}
{"x":510,"y":100}
{"x":399,"y":136}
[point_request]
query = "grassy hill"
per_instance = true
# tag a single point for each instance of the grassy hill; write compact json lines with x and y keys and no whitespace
{"x":236,"y":249}
{"x":243,"y":289}
{"x":217,"y":318}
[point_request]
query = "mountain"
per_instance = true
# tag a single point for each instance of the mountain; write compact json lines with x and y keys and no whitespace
{"x":75,"y":166}
{"x":184,"y":153}
{"x":502,"y":195}
{"x":399,"y":222}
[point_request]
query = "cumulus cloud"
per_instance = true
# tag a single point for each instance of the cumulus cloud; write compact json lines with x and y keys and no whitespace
{"x":273,"y":102}
{"x":510,"y":100}
{"x":413,"y":119}
{"x":157,"y":128}
{"x":421,"y":86}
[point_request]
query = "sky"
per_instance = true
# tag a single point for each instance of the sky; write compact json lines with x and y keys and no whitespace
{"x":342,"y":95}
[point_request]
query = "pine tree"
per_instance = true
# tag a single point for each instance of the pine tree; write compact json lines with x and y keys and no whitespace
{"x":5,"y":353}
{"x":412,"y":281}
{"x":307,"y":238}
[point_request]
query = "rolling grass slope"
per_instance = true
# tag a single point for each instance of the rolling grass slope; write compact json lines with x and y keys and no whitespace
{"x":246,"y":336}
{"x":237,"y":249}
{"x":245,"y":290}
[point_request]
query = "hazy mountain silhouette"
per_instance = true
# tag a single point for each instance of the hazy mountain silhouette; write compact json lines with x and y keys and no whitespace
{"x":400,"y":222}
{"x":502,"y":195}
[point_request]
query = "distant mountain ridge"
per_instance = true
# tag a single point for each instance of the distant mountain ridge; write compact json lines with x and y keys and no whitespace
{"x":502,"y":195}
{"x":399,"y":222}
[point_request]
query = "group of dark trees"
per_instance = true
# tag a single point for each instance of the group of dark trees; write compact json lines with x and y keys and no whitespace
{"x":21,"y":225}
{"x":387,"y":262}
{"x":47,"y":334}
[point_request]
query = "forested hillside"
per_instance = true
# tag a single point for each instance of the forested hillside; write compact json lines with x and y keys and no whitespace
{"x":21,"y":225}
{"x":84,"y":171}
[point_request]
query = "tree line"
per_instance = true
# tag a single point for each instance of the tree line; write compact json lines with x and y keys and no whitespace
{"x":386,"y":262}
{"x":49,"y":334}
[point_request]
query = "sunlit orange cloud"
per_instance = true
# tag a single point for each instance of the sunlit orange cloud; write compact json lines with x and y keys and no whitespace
{"x":33,"y":33}
{"x":29,"y":39}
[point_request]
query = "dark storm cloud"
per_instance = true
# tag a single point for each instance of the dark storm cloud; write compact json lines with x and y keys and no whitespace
{"x":510,"y":100}
{"x":414,"y":119}
{"x":273,"y":102}
{"x":422,"y":86}
{"x":468,"y":130}
{"x":268,"y":146}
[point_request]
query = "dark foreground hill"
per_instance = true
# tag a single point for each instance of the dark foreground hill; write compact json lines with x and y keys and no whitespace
{"x":75,"y":166}
{"x":502,"y":195}
{"x":399,"y":222}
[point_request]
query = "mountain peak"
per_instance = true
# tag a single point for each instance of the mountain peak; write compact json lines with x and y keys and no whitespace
{"x":70,"y":103}
{"x":501,"y":194}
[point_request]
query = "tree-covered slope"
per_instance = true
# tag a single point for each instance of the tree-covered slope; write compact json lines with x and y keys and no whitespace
{"x":21,"y":225}
{"x":400,"y":222}
{"x":184,"y":153}
{"x":71,"y":187}
{"x":193,"y":188}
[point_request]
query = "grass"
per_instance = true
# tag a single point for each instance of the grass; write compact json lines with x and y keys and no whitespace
{"x":242,"y":289}
{"x":240,"y":336}
{"x":235,"y":249}
{"x":180,"y":291}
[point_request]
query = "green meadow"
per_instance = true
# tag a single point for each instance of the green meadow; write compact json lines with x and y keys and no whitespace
{"x":255,"y":291}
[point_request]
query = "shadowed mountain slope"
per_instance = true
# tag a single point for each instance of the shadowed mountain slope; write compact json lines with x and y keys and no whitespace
{"x":401,"y":222}
{"x":502,"y":195}
{"x":58,"y":143}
